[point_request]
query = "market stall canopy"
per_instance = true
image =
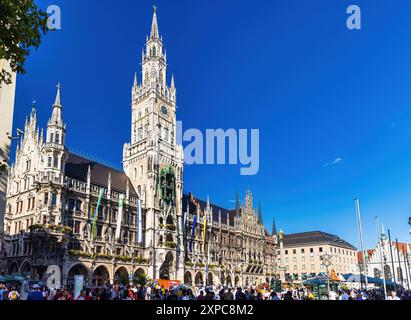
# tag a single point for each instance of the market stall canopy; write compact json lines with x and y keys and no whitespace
{"x":320,"y":279}
{"x":356,"y":278}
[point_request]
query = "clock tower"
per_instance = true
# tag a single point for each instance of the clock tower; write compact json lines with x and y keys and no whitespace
{"x":154,"y":162}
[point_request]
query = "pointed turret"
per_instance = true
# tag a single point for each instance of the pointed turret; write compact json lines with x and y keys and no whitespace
{"x":135,"y":80}
{"x":56,"y":116}
{"x":88,"y":179}
{"x":109,"y":186}
{"x":57,"y":102}
{"x":54,"y":148}
{"x":237,"y":204}
{"x":154,"y":24}
{"x":260,"y":214}
{"x":274,"y":228}
{"x":173,"y":85}
{"x":127,"y":192}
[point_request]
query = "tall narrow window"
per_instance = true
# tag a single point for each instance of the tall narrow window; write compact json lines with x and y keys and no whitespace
{"x":53,"y":198}
{"x":57,"y":137}
{"x":46,"y":198}
{"x":49,"y":161}
{"x":51,"y":137}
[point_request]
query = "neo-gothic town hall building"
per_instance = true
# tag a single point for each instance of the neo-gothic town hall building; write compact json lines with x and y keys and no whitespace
{"x":53,"y":195}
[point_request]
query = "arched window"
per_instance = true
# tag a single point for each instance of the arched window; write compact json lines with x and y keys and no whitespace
{"x":166,"y":134}
{"x":146,"y":130}
{"x":141,"y":171}
{"x":377,"y":273}
{"x":135,"y":173}
{"x":154,"y":51}
{"x":399,"y":274}
{"x":140,"y":134}
{"x":387,"y":272}
{"x":170,"y":220}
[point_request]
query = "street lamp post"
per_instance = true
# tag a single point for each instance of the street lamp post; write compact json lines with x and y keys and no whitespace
{"x":364,"y":267}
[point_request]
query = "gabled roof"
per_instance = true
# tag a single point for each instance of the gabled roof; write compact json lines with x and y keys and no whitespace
{"x":315,"y":237}
{"x":77,"y":168}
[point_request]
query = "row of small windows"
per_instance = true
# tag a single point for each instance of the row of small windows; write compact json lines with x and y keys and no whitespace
{"x":55,"y":138}
{"x":320,"y":249}
{"x":52,"y":162}
{"x":164,"y":134}
{"x":20,"y":204}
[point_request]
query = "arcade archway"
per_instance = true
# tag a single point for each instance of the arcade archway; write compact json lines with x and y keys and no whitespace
{"x":77,"y":269}
{"x":101,"y":276}
{"x":121,"y":276}
{"x":199,"y":279}
{"x":188,"y":279}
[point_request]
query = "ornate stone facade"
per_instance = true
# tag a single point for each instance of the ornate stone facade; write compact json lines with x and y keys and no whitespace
{"x":53,"y":196}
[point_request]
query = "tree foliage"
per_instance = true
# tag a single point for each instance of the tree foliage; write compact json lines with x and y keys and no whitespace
{"x":22,"y":24}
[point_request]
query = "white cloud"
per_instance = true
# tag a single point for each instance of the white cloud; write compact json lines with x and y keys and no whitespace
{"x":334,"y":162}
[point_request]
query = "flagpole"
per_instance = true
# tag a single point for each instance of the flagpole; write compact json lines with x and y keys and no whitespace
{"x":392,"y":260}
{"x":381,"y":257}
{"x":407,"y":266}
{"x":399,"y":262}
{"x":357,"y":206}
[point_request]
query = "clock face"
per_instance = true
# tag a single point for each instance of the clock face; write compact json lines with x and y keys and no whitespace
{"x":164,"y":111}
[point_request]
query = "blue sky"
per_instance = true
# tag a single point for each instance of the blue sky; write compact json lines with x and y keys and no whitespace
{"x":317,"y":91}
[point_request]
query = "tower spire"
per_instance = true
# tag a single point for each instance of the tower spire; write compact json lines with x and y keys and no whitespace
{"x":56,"y":117}
{"x":274,"y":228}
{"x":260,"y":213}
{"x":154,"y":24}
{"x":237,"y":205}
{"x":57,"y":102}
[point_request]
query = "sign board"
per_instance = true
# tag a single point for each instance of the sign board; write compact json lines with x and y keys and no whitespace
{"x":168,"y":284}
{"x":78,"y":285}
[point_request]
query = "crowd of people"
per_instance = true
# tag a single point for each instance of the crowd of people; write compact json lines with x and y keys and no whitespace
{"x":137,"y":292}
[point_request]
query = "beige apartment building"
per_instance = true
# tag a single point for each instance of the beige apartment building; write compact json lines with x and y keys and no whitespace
{"x":300,"y":254}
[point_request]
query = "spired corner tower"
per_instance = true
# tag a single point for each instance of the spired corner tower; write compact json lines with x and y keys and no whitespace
{"x":153,"y":160}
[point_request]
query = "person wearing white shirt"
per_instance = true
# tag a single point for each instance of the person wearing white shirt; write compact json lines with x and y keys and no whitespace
{"x":393,"y":296}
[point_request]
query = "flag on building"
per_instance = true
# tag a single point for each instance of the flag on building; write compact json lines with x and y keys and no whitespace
{"x":193,"y":232}
{"x":139,"y":222}
{"x":94,"y":227}
{"x":204,"y":234}
{"x":119,"y":216}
